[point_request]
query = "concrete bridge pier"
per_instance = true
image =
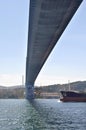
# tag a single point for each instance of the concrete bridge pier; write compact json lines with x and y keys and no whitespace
{"x":30,"y":92}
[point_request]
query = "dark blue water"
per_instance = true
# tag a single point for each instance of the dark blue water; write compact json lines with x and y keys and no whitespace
{"x":42,"y":114}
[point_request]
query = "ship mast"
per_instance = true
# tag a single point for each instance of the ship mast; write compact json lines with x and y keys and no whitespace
{"x":69,"y":84}
{"x":22,"y":80}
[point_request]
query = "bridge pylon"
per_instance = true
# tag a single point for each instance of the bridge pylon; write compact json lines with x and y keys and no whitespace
{"x":29,"y":91}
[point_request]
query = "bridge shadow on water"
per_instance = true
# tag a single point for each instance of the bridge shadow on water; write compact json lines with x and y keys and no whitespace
{"x":47,"y":112}
{"x":60,"y":116}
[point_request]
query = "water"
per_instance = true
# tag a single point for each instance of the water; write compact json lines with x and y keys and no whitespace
{"x":41,"y":114}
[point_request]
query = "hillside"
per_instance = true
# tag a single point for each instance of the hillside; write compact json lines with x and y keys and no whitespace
{"x":51,"y":91}
{"x":12,"y":92}
{"x":54,"y":90}
{"x":78,"y":86}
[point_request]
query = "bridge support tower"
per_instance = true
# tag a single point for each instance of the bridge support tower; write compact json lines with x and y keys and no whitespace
{"x":29,"y":91}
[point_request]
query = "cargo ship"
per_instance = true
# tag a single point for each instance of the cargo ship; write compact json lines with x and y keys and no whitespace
{"x":73,"y":96}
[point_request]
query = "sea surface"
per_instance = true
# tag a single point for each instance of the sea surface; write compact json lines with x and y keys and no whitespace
{"x":41,"y":114}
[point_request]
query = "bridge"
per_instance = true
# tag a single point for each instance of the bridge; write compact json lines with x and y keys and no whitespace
{"x":47,"y":21}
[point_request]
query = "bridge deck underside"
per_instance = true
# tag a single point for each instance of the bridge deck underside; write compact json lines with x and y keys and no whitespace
{"x":47,"y":21}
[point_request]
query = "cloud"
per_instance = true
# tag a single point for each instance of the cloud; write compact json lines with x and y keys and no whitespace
{"x":10,"y":80}
{"x":50,"y":80}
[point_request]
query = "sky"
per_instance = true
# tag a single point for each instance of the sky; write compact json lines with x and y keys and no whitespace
{"x":67,"y":60}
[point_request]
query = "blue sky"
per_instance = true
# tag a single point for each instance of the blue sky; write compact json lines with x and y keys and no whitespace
{"x":67,"y":60}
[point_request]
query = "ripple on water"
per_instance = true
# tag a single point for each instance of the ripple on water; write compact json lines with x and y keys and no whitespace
{"x":42,"y":114}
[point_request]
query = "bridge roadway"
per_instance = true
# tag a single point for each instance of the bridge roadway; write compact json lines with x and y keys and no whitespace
{"x":47,"y":21}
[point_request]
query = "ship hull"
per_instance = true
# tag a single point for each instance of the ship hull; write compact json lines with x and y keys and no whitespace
{"x":73,"y":99}
{"x":68,"y":96}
